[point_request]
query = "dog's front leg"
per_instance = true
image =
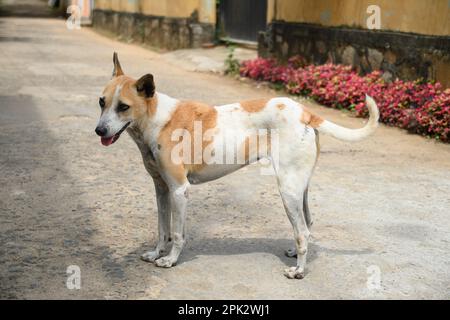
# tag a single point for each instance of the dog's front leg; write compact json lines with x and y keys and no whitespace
{"x":179,"y":199}
{"x":164,"y":217}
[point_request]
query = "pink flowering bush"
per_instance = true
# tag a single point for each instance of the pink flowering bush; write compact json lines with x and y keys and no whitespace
{"x":417,"y":106}
{"x":433,"y":117}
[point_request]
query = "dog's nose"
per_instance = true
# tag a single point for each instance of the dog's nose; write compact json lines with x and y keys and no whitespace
{"x":101,"y":131}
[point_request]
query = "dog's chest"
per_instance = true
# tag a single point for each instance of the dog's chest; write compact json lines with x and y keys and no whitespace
{"x":148,"y":155}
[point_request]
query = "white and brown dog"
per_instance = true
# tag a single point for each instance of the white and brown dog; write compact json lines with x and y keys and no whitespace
{"x":152,"y":118}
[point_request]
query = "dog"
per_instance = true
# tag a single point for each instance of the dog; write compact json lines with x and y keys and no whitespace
{"x":151,"y":118}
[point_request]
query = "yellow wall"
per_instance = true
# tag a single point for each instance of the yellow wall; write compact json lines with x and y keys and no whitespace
{"x":430,"y":17}
{"x":167,"y":8}
{"x":419,"y":16}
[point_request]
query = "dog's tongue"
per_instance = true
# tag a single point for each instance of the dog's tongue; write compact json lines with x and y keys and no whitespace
{"x":106,"y":141}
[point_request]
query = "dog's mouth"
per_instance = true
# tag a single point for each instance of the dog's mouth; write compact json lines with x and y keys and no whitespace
{"x":108,"y":141}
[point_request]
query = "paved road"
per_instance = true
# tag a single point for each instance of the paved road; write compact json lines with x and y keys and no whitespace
{"x":379,"y":205}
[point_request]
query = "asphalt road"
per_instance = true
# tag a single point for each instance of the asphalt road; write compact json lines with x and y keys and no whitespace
{"x":381,"y":206}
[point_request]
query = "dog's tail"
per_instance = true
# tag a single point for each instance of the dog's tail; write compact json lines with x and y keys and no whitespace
{"x":347,"y":134}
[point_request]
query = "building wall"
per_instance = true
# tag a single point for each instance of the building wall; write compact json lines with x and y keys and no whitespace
{"x":164,"y":8}
{"x":167,"y":24}
{"x":430,"y":17}
{"x":413,"y":42}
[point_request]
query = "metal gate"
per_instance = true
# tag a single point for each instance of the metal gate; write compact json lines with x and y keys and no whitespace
{"x":241,"y":20}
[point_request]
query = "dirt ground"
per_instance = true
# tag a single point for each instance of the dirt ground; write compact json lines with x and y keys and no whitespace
{"x":379,"y":205}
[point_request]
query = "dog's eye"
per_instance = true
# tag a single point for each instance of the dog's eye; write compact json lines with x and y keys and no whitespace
{"x":122,"y":107}
{"x":101,"y":102}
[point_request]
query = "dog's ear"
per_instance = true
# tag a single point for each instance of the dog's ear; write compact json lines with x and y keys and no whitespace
{"x":146,"y":86}
{"x":117,"y":71}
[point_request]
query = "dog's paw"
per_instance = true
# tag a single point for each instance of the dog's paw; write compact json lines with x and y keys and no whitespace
{"x":150,"y":256}
{"x":291,"y":253}
{"x":165,"y":262}
{"x":294,"y":273}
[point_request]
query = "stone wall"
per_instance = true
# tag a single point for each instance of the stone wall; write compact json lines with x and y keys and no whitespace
{"x":162,"y":32}
{"x":403,"y":55}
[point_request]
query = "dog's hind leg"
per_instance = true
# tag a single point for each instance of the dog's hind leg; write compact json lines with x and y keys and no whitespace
{"x":295,"y":166}
{"x":292,"y":200}
{"x":306,"y":212}
{"x":164,"y":217}
{"x":292,"y":184}
{"x":292,"y":252}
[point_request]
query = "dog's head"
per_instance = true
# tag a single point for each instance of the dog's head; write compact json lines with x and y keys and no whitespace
{"x":124,"y":102}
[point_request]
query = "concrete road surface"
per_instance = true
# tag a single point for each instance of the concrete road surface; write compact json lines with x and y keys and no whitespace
{"x":381,"y":207}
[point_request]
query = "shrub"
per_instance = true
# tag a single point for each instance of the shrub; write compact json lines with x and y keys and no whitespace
{"x":232,"y":65}
{"x":434,"y":117}
{"x":417,"y":106}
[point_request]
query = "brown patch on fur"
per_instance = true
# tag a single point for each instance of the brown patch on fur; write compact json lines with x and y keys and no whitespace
{"x":281,"y":106}
{"x":151,"y":105}
{"x":254,"y":105}
{"x":183,"y":118}
{"x":310,"y":119}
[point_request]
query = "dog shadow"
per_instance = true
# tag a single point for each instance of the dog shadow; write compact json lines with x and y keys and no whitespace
{"x":237,"y":246}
